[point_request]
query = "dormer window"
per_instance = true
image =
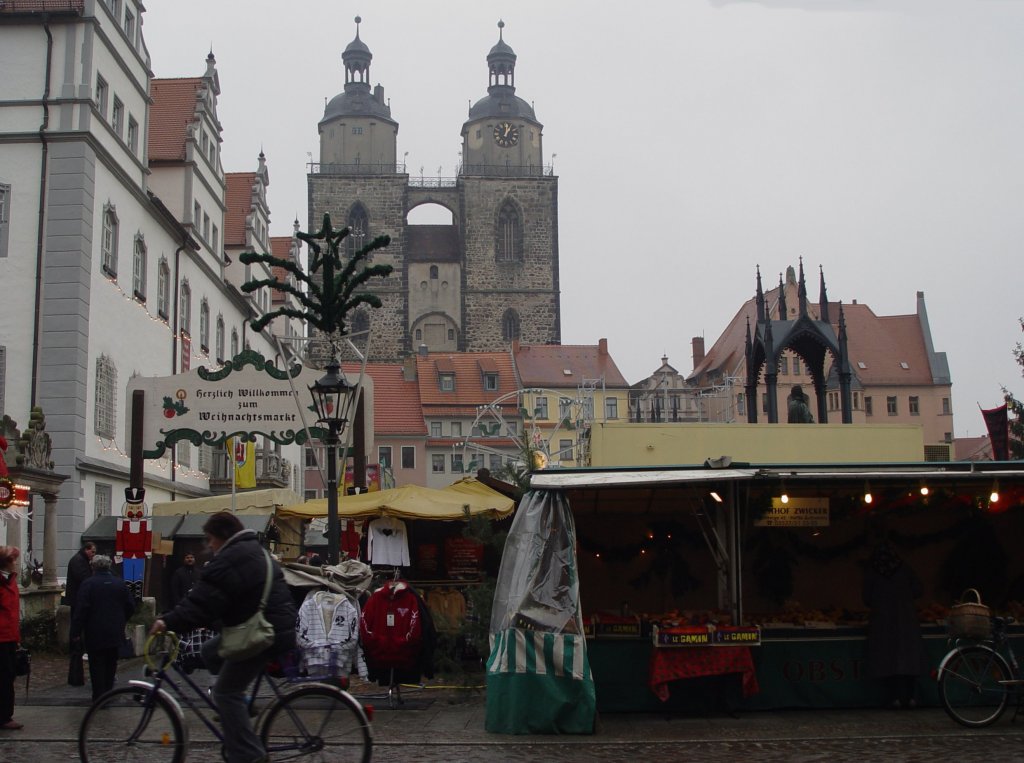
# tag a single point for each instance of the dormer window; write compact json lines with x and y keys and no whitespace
{"x":447,"y":382}
{"x":490,"y":382}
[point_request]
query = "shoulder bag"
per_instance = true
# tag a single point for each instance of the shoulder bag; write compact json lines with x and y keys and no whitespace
{"x":255,"y":635}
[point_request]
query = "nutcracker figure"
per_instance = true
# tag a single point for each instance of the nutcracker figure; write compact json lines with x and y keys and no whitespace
{"x":133,"y":541}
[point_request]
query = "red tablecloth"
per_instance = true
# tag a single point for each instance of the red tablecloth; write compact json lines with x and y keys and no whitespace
{"x":691,"y":662}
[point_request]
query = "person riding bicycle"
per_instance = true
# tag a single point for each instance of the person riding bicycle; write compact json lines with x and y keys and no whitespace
{"x":227,"y":593}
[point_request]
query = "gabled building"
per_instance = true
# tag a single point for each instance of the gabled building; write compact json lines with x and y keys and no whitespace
{"x":471,"y":408}
{"x":897,"y":376}
{"x":567,"y":388}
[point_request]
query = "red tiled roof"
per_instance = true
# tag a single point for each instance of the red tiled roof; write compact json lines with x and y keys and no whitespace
{"x":972,"y":449}
{"x":239,"y":205}
{"x":469,"y":381}
{"x":544,"y":365}
{"x":173,"y":109}
{"x":396,"y":402}
{"x":280,"y":247}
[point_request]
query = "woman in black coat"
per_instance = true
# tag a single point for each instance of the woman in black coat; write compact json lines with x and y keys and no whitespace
{"x":102,"y":607}
{"x":228,"y":592}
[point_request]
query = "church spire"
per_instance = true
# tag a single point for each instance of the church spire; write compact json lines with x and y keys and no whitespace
{"x":760,"y":296}
{"x":783,"y":310}
{"x":801,"y":291}
{"x":822,"y":297}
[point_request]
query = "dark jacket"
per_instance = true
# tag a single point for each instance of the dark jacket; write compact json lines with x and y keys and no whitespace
{"x":894,"y":646}
{"x":181,"y":583}
{"x":79,"y":571}
{"x":103,"y":607}
{"x":229,"y":589}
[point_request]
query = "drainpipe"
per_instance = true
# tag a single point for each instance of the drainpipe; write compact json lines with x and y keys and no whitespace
{"x":43,"y":166}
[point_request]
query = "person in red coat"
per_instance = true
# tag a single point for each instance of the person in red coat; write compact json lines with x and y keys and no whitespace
{"x":10,"y":633}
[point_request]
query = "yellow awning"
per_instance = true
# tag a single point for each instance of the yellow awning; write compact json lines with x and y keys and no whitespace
{"x":265,"y":501}
{"x":413,"y":502}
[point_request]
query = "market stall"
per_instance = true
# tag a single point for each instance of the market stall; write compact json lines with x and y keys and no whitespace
{"x":718,"y":548}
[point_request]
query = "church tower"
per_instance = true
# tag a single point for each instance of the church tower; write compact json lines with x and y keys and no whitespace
{"x":511,"y":217}
{"x":489,"y":277}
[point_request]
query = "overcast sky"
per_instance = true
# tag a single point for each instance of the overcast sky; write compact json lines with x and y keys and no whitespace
{"x":693,"y":140}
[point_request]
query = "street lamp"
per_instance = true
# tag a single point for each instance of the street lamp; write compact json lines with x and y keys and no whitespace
{"x":333,"y":399}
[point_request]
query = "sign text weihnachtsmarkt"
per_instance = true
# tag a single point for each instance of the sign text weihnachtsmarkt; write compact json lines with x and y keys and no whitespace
{"x":248,"y":396}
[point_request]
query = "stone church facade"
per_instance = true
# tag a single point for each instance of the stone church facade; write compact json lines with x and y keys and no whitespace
{"x":476,"y":285}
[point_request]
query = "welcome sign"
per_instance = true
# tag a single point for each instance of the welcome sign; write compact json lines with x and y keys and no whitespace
{"x":248,"y":396}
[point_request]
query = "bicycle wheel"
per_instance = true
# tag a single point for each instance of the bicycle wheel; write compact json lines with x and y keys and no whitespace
{"x":317,"y":723}
{"x":132,"y":723}
{"x":970,"y":687}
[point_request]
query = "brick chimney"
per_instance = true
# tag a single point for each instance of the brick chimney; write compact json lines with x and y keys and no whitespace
{"x":602,"y":347}
{"x":409,"y":368}
{"x":698,"y":350}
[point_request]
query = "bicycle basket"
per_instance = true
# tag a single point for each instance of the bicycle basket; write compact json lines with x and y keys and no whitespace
{"x":970,"y":619}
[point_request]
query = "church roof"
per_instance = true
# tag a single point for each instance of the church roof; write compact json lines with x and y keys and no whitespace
{"x":173,"y":110}
{"x":502,"y":105}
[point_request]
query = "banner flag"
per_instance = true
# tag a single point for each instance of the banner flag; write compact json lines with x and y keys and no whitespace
{"x":244,"y":458}
{"x":997,"y":423}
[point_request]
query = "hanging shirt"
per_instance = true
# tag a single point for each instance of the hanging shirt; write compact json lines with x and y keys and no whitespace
{"x":328,"y":635}
{"x":389,"y":542}
{"x":351,"y":535}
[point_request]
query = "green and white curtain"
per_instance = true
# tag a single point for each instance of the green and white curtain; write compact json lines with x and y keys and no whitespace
{"x":538,"y":675}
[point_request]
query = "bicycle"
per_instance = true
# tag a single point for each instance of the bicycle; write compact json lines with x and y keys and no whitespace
{"x":976,"y":680}
{"x":144,"y":721}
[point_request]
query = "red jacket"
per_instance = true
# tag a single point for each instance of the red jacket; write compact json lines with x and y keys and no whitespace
{"x":391,"y":629}
{"x":10,"y":609}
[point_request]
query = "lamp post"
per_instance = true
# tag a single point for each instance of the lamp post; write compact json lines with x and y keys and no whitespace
{"x":333,"y":398}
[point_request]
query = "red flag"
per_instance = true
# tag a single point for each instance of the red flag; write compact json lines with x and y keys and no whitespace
{"x":997,"y":423}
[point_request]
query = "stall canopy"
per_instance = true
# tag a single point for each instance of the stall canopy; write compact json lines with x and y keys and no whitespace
{"x":248,"y":502}
{"x":413,"y":502}
{"x":192,"y":524}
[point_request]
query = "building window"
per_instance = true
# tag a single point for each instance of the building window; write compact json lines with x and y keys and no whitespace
{"x":435,"y":428}
{"x":163,"y":289}
{"x":508,"y":244}
{"x":437,"y":463}
{"x":358,"y":229}
{"x":106,"y":395}
{"x":456,"y":429}
{"x":945,"y":406}
{"x":741,"y":404}
{"x":357,"y":130}
{"x":206,"y":459}
{"x":197,"y":215}
{"x":139,"y":268}
{"x":890,"y":405}
{"x":129,"y":26}
{"x":384,"y":456}
{"x":185,"y":316}
{"x":784,"y":365}
{"x":204,"y":325}
{"x":109,"y":241}
{"x":451,"y":335}
{"x":184,"y":452}
{"x":494,"y":462}
{"x":565,"y":450}
{"x":234,"y":342}
{"x":457,"y":467}
{"x":433,"y":272}
{"x":419,"y":334}
{"x":206,"y":226}
{"x":214,"y":238}
{"x":914,"y":407}
{"x":764,"y":402}
{"x":104,"y":495}
{"x":868,"y":406}
{"x":361,"y":322}
{"x":510,"y":326}
{"x":117,"y":116}
{"x":611,"y":407}
{"x":540,"y":407}
{"x":447,"y":382}
{"x":490,"y":382}
{"x":408,"y":457}
{"x":220,"y":339}
{"x":5,"y":217}
{"x":101,"y":96}
{"x":856,"y":401}
{"x":309,"y":457}
{"x":133,"y":134}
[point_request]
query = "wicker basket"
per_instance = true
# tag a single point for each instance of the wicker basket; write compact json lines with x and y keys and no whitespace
{"x":970,"y":619}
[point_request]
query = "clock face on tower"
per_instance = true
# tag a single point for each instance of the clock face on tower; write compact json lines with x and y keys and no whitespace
{"x":506,"y":134}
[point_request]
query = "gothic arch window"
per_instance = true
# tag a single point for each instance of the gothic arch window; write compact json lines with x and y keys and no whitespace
{"x":220,"y":338}
{"x":106,"y":390}
{"x":510,"y":325}
{"x":234,"y":342}
{"x":185,"y":319}
{"x":433,"y":272}
{"x":109,"y":240}
{"x":508,"y":245}
{"x":163,"y":288}
{"x":360,"y":322}
{"x":359,"y":229}
{"x":139,"y":267}
{"x":204,"y":325}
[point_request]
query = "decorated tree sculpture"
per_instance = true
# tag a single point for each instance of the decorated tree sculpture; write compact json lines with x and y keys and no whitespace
{"x":326,"y":301}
